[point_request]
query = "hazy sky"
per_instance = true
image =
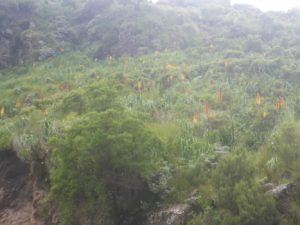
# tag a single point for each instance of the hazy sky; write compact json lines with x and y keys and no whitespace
{"x":266,"y":5}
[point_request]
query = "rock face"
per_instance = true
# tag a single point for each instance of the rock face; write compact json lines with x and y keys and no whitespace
{"x":173,"y":215}
{"x":5,"y":47}
{"x":158,"y":183}
{"x":222,"y":149}
{"x":23,"y":39}
{"x":283,"y":193}
{"x":282,"y":190}
{"x":268,"y":186}
{"x":63,"y":32}
{"x":20,"y":198}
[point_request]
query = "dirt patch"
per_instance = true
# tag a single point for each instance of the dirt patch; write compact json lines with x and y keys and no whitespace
{"x":21,"y":198}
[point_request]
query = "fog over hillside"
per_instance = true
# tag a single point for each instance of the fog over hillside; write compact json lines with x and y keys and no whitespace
{"x":126,"y":112}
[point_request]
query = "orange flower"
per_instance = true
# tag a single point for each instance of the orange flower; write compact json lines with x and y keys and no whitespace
{"x":45,"y":112}
{"x":181,"y":77}
{"x":139,"y":85}
{"x":219,"y":95}
{"x":206,"y":110}
{"x":195,"y":118}
{"x":126,"y":82}
{"x":62,"y":87}
{"x":2,"y":111}
{"x":277,"y":104}
{"x":264,"y":114}
{"x":226,"y":63}
{"x":258,"y":99}
{"x":61,"y":49}
{"x":18,"y":103}
{"x":281,"y":99}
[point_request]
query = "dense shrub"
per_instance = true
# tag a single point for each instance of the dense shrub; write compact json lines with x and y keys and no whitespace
{"x":5,"y":139}
{"x":101,"y":167}
{"x":239,"y":199}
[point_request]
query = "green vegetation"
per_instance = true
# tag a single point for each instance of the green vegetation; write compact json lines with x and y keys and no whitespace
{"x":105,"y":157}
{"x":138,"y":105}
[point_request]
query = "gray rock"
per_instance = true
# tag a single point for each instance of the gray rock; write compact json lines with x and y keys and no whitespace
{"x":282,"y":190}
{"x":210,"y":163}
{"x":222,"y":152}
{"x":8,"y":33}
{"x":193,"y":197}
{"x":222,"y":149}
{"x":27,"y":42}
{"x":284,"y":194}
{"x":32,"y":25}
{"x":29,"y":99}
{"x":63,"y":31}
{"x":41,"y":43}
{"x":212,"y":159}
{"x":263,"y":180}
{"x":159,"y":182}
{"x":192,"y":200}
{"x":17,"y":90}
{"x":268,"y":186}
{"x":173,"y":215}
{"x":46,"y":53}
{"x":5,"y":50}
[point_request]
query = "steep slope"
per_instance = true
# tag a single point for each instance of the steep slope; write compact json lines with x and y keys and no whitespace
{"x":20,"y":196}
{"x":130,"y":112}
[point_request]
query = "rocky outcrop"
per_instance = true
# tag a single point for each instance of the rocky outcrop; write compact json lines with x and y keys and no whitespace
{"x":221,"y":149}
{"x":284,"y":194}
{"x":5,"y":47}
{"x":24,"y":39}
{"x":45,"y":53}
{"x":176,"y":214}
{"x":268,"y":186}
{"x":159,"y":182}
{"x":172,"y":215}
{"x":211,"y":162}
{"x":21,"y":197}
{"x":63,"y":32}
{"x":282,"y":190}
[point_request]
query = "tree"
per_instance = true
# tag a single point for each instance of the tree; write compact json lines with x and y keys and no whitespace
{"x":239,"y":199}
{"x":101,"y":168}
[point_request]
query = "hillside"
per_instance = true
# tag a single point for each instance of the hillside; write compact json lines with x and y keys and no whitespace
{"x":127,"y":112}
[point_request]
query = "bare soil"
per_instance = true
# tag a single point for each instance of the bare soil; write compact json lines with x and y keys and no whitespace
{"x":21,"y":198}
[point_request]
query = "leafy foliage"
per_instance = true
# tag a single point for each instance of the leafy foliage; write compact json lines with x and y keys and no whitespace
{"x":122,"y":106}
{"x":104,"y":157}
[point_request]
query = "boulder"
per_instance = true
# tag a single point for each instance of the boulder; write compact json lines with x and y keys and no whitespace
{"x":193,"y":197}
{"x":6,"y":48}
{"x":172,"y":215}
{"x":8,"y":33}
{"x":176,"y":214}
{"x":211,"y":162}
{"x":284,"y":194}
{"x":268,"y":186}
{"x":264,"y":180}
{"x":222,"y":149}
{"x":46,"y":53}
{"x":159,"y":182}
{"x":63,"y":30}
{"x":282,"y":190}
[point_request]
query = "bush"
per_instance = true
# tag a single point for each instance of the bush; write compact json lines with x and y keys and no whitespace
{"x":101,"y":166}
{"x":5,"y":139}
{"x":240,"y":200}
